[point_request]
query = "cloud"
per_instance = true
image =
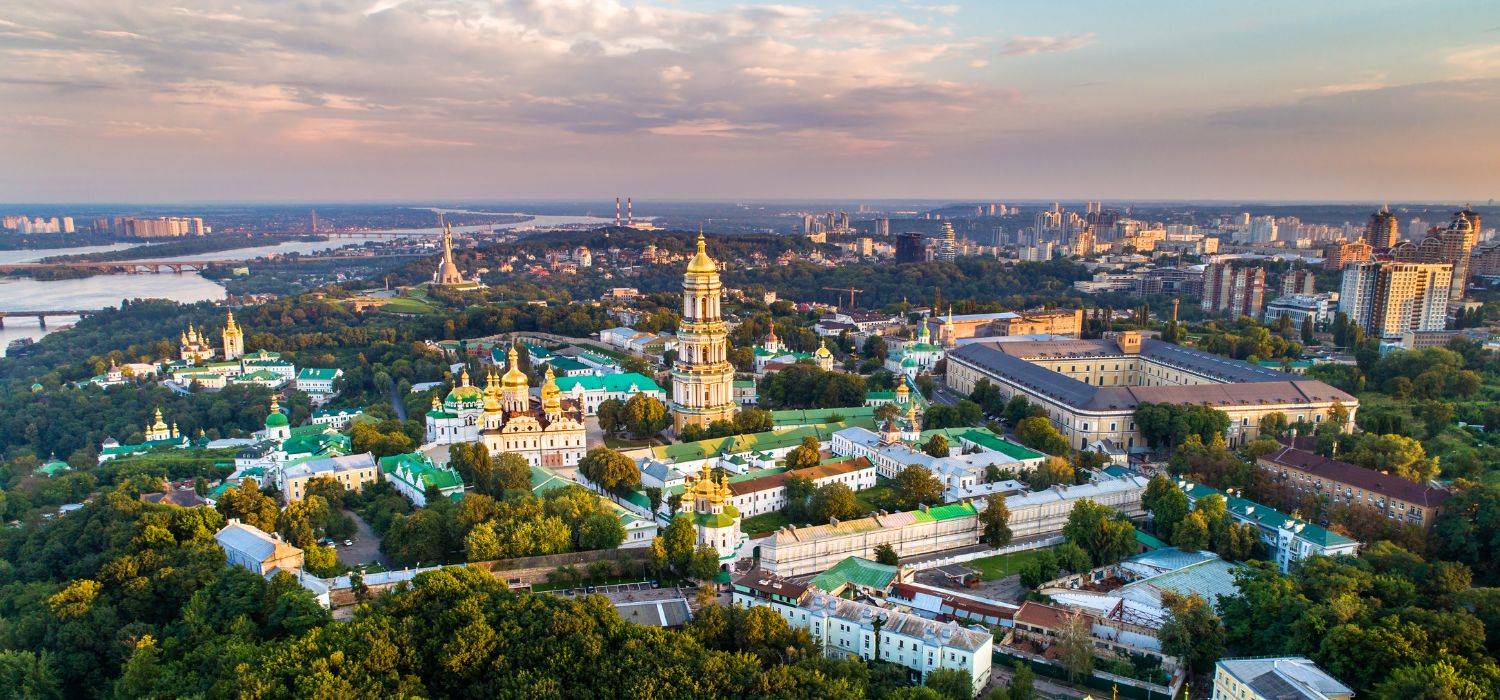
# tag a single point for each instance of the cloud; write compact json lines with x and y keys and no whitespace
{"x":1477,"y":61}
{"x":1029,"y":45}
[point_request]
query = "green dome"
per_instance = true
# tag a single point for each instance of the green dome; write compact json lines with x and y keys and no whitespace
{"x":276,"y":420}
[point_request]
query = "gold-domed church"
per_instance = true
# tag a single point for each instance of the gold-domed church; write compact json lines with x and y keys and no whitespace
{"x":702,"y":377}
{"x":548,"y":431}
{"x":715,"y":518}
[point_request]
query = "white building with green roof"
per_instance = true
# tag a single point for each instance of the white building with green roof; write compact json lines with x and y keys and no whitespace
{"x":590,"y":391}
{"x":913,"y":358}
{"x":413,"y":475}
{"x":317,"y":381}
{"x":1289,"y":539}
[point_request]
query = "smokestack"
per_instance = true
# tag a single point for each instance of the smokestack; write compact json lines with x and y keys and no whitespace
{"x":629,"y":212}
{"x":617,"y":211}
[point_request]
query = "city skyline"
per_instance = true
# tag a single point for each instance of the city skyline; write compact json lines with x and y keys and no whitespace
{"x":388,"y":100}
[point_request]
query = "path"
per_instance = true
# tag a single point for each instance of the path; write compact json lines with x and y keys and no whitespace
{"x":1046,"y":687}
{"x":366,"y":547}
{"x":397,"y":404}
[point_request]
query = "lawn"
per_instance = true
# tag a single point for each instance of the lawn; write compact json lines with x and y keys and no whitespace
{"x":617,"y":443}
{"x":1002,"y":565}
{"x":763,"y":523}
{"x":406,"y":305}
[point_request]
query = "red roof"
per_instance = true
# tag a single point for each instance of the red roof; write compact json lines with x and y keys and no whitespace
{"x":1392,"y":487}
{"x":1043,"y":615}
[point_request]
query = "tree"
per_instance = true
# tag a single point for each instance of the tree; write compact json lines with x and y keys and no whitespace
{"x":1273,"y":425}
{"x":680,"y":540}
{"x":1018,"y":409}
{"x":834,"y":500}
{"x":511,"y":472}
{"x":249,"y":505}
{"x":1099,"y":530}
{"x":886,"y":554}
{"x":1037,"y":433}
{"x":1023,"y":682}
{"x":704,"y":564}
{"x":609,"y":469}
{"x":1307,"y":330}
{"x":599,"y":530}
{"x":799,"y":493}
{"x":995,"y":521}
{"x":951,"y":683}
{"x":916,"y":486}
{"x":987,"y":396}
{"x":937,"y":446}
{"x":1191,"y":534}
{"x":1072,"y":558}
{"x":609,"y":415}
{"x":1052,"y":471}
{"x":1192,"y":631}
{"x":1166,"y":503}
{"x":1075,"y":644}
{"x":802,"y":457}
{"x":644,"y":416}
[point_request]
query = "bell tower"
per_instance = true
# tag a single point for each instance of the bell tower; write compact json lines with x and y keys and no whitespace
{"x":702,"y":378}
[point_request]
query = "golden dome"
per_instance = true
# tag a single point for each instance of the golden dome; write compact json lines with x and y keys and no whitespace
{"x":514,"y":378}
{"x":702,"y":264}
{"x":901,"y":389}
{"x":551,"y":394}
{"x":823,"y":350}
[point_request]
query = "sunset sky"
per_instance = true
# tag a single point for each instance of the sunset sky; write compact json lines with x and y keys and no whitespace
{"x":116,"y":100}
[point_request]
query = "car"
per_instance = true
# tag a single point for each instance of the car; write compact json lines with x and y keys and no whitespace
{"x":589,"y":588}
{"x":655,"y":583}
{"x":348,"y":543}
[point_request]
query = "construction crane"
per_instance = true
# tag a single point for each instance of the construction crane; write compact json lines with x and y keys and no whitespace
{"x":845,"y":289}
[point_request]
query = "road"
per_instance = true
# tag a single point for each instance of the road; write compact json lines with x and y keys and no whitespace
{"x":366,"y":547}
{"x":1046,"y":687}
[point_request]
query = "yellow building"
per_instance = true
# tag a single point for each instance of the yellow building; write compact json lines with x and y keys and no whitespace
{"x":715,"y":519}
{"x":234,"y":339}
{"x":504,"y":417}
{"x":1273,"y":678}
{"x":702,"y":378}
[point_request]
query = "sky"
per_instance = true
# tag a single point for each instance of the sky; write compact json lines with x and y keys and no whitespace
{"x":368,"y":100}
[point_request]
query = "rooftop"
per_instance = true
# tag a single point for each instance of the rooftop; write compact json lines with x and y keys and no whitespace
{"x":1242,"y":383}
{"x":1285,"y":678}
{"x":855,"y":571}
{"x":1354,"y":475}
{"x":1268,"y":517}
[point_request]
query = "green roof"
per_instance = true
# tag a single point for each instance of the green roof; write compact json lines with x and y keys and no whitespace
{"x":734,"y":478}
{"x":53,"y":468}
{"x":259,"y":375}
{"x":314,"y":373}
{"x":854,"y":415}
{"x":1149,"y":541}
{"x":596,"y":357}
{"x":610,"y":383}
{"x":744,"y":383}
{"x":713,"y":519}
{"x":543,"y":479}
{"x":1268,"y":517}
{"x":316,"y":443}
{"x":276,"y":420}
{"x":428,"y":474}
{"x":951,"y":511}
{"x":261,"y":355}
{"x":337,"y":412}
{"x":986,"y":439}
{"x":856,"y":571}
{"x":774,"y":440}
{"x":568,"y":364}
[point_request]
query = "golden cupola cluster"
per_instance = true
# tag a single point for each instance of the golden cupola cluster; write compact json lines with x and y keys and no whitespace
{"x":551,"y":395}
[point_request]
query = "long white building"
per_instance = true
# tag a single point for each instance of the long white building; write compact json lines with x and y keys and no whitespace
{"x":850,"y":628}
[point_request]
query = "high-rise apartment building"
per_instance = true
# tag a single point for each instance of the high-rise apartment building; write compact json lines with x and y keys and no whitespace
{"x":1383,"y":229}
{"x":882,"y":227}
{"x":1416,"y":229}
{"x":1387,"y":299}
{"x":1299,"y":281}
{"x":910,"y":247}
{"x":946,"y":249}
{"x":1340,"y":255}
{"x":1240,"y":291}
{"x":1263,"y":229}
{"x":1452,"y":246}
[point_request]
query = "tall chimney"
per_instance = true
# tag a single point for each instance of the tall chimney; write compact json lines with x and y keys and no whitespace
{"x":629,"y":212}
{"x":617,"y":211}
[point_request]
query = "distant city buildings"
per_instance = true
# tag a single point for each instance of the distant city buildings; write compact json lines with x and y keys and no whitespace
{"x":1451,"y":246}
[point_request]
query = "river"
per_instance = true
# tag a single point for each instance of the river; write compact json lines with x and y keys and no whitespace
{"x":102,"y":291}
